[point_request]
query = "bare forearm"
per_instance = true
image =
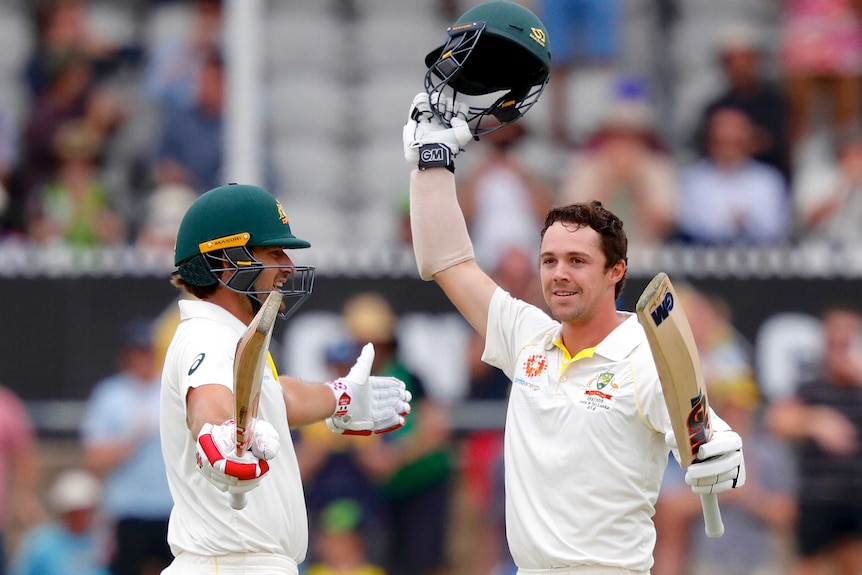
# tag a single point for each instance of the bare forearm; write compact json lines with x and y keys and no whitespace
{"x":103,"y":458}
{"x":306,"y":402}
{"x":208,"y":404}
{"x":788,"y":419}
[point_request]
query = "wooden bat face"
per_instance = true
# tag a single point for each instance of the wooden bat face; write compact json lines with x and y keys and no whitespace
{"x":249,"y":363}
{"x":678,"y":365}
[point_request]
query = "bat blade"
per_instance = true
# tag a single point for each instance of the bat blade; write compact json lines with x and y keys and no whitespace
{"x":678,"y":364}
{"x":248,"y":368}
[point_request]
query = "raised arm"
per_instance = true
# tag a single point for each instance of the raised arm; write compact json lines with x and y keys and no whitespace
{"x":443,"y":248}
{"x":441,"y":243}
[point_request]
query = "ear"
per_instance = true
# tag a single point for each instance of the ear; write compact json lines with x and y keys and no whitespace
{"x":617,"y":272}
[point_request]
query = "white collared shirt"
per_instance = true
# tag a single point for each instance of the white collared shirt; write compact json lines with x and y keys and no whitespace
{"x":202,"y":521}
{"x":584,"y":442}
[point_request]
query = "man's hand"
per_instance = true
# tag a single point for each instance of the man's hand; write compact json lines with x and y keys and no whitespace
{"x":425,"y":129}
{"x":719,"y":466}
{"x":366,"y":403}
{"x":218,"y":462}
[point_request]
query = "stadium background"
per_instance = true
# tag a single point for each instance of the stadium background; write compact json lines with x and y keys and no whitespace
{"x":336,"y":78}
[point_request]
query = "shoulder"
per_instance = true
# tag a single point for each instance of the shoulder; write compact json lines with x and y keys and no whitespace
{"x":207,"y":331}
{"x":697,"y":169}
{"x":516,"y":311}
{"x":765,"y":172}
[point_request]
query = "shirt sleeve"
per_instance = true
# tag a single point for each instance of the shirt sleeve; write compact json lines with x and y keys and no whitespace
{"x":206,"y":356}
{"x":512,"y":323}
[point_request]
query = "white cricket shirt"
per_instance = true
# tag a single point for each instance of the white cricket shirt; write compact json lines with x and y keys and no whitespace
{"x":202,"y":521}
{"x":584,"y":441}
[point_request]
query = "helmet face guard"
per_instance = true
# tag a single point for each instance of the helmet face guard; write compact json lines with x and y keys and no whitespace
{"x":236,"y":269}
{"x":498,"y":66}
{"x":217,"y":236}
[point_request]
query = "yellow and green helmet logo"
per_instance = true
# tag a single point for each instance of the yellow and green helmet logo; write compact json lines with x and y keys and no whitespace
{"x":513,"y":49}
{"x":230,"y":216}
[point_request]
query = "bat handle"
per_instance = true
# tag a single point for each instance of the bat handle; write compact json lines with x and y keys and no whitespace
{"x":238,"y":501}
{"x":712,"y":522}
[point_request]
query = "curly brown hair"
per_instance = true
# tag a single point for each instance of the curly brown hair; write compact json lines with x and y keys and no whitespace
{"x":594,"y":215}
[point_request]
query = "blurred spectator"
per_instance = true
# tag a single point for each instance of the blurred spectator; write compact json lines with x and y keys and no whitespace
{"x":757,"y":519}
{"x":741,"y":54}
{"x":829,"y":197}
{"x":120,"y":436}
{"x":62,"y":29}
{"x":820,"y":52}
{"x":170,"y":75}
{"x":70,"y":84}
{"x":413,"y":463}
{"x":583,"y":34}
{"x":824,"y":419}
{"x":727,"y":197}
{"x":504,"y":203}
{"x":164,"y":209}
{"x":11,"y":207}
{"x":69,"y":544}
{"x":190,"y":146}
{"x":74,"y":206}
{"x":333,"y":467}
{"x":625,"y":165}
{"x":340,"y":542}
{"x":20,"y":508}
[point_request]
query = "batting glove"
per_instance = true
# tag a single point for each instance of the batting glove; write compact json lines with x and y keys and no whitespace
{"x":218,"y":462}
{"x":366,"y":404}
{"x":428,"y":142}
{"x":720,"y":465}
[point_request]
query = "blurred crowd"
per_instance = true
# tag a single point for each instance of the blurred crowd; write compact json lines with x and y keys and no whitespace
{"x":115,"y":138}
{"x":94,"y":162}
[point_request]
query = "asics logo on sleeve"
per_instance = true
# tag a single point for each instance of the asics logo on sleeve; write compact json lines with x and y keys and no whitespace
{"x":197,"y":362}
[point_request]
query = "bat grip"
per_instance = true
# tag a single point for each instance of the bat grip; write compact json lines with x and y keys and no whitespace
{"x":712,"y":522}
{"x":238,"y":501}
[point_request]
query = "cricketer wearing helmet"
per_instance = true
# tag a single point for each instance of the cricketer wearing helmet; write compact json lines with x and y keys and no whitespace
{"x":231,"y":251}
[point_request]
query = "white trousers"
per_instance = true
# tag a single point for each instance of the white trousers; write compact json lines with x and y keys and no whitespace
{"x":233,"y":564}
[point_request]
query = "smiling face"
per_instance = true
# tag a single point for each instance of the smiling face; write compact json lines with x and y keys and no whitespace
{"x":576,"y":282}
{"x":272,"y":278}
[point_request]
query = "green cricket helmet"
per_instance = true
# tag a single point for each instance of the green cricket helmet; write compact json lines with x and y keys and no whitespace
{"x":497,"y":59}
{"x":217,"y":233}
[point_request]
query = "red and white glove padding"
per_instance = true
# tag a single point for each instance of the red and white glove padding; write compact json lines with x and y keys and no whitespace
{"x":719,"y":465}
{"x":366,"y":404}
{"x":218,"y":462}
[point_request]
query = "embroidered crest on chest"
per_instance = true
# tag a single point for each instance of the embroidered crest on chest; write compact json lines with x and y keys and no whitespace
{"x":599,"y":391}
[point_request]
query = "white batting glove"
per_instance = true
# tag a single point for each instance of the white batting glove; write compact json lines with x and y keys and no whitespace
{"x":218,"y":462}
{"x":720,"y":465}
{"x":366,"y":404}
{"x":423,"y":127}
{"x":265,"y":441}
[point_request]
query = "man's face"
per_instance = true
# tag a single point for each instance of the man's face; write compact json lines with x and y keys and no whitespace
{"x":573,"y":275}
{"x":730,"y":136}
{"x":742,"y":66}
{"x":272,"y":278}
{"x":842,"y":350}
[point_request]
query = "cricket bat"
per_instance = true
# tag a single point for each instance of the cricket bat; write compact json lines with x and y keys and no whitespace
{"x":248,"y":366}
{"x":678,"y":364}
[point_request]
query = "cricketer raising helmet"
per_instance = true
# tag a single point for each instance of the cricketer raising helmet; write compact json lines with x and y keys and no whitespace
{"x":497,"y":59}
{"x":216,"y":236}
